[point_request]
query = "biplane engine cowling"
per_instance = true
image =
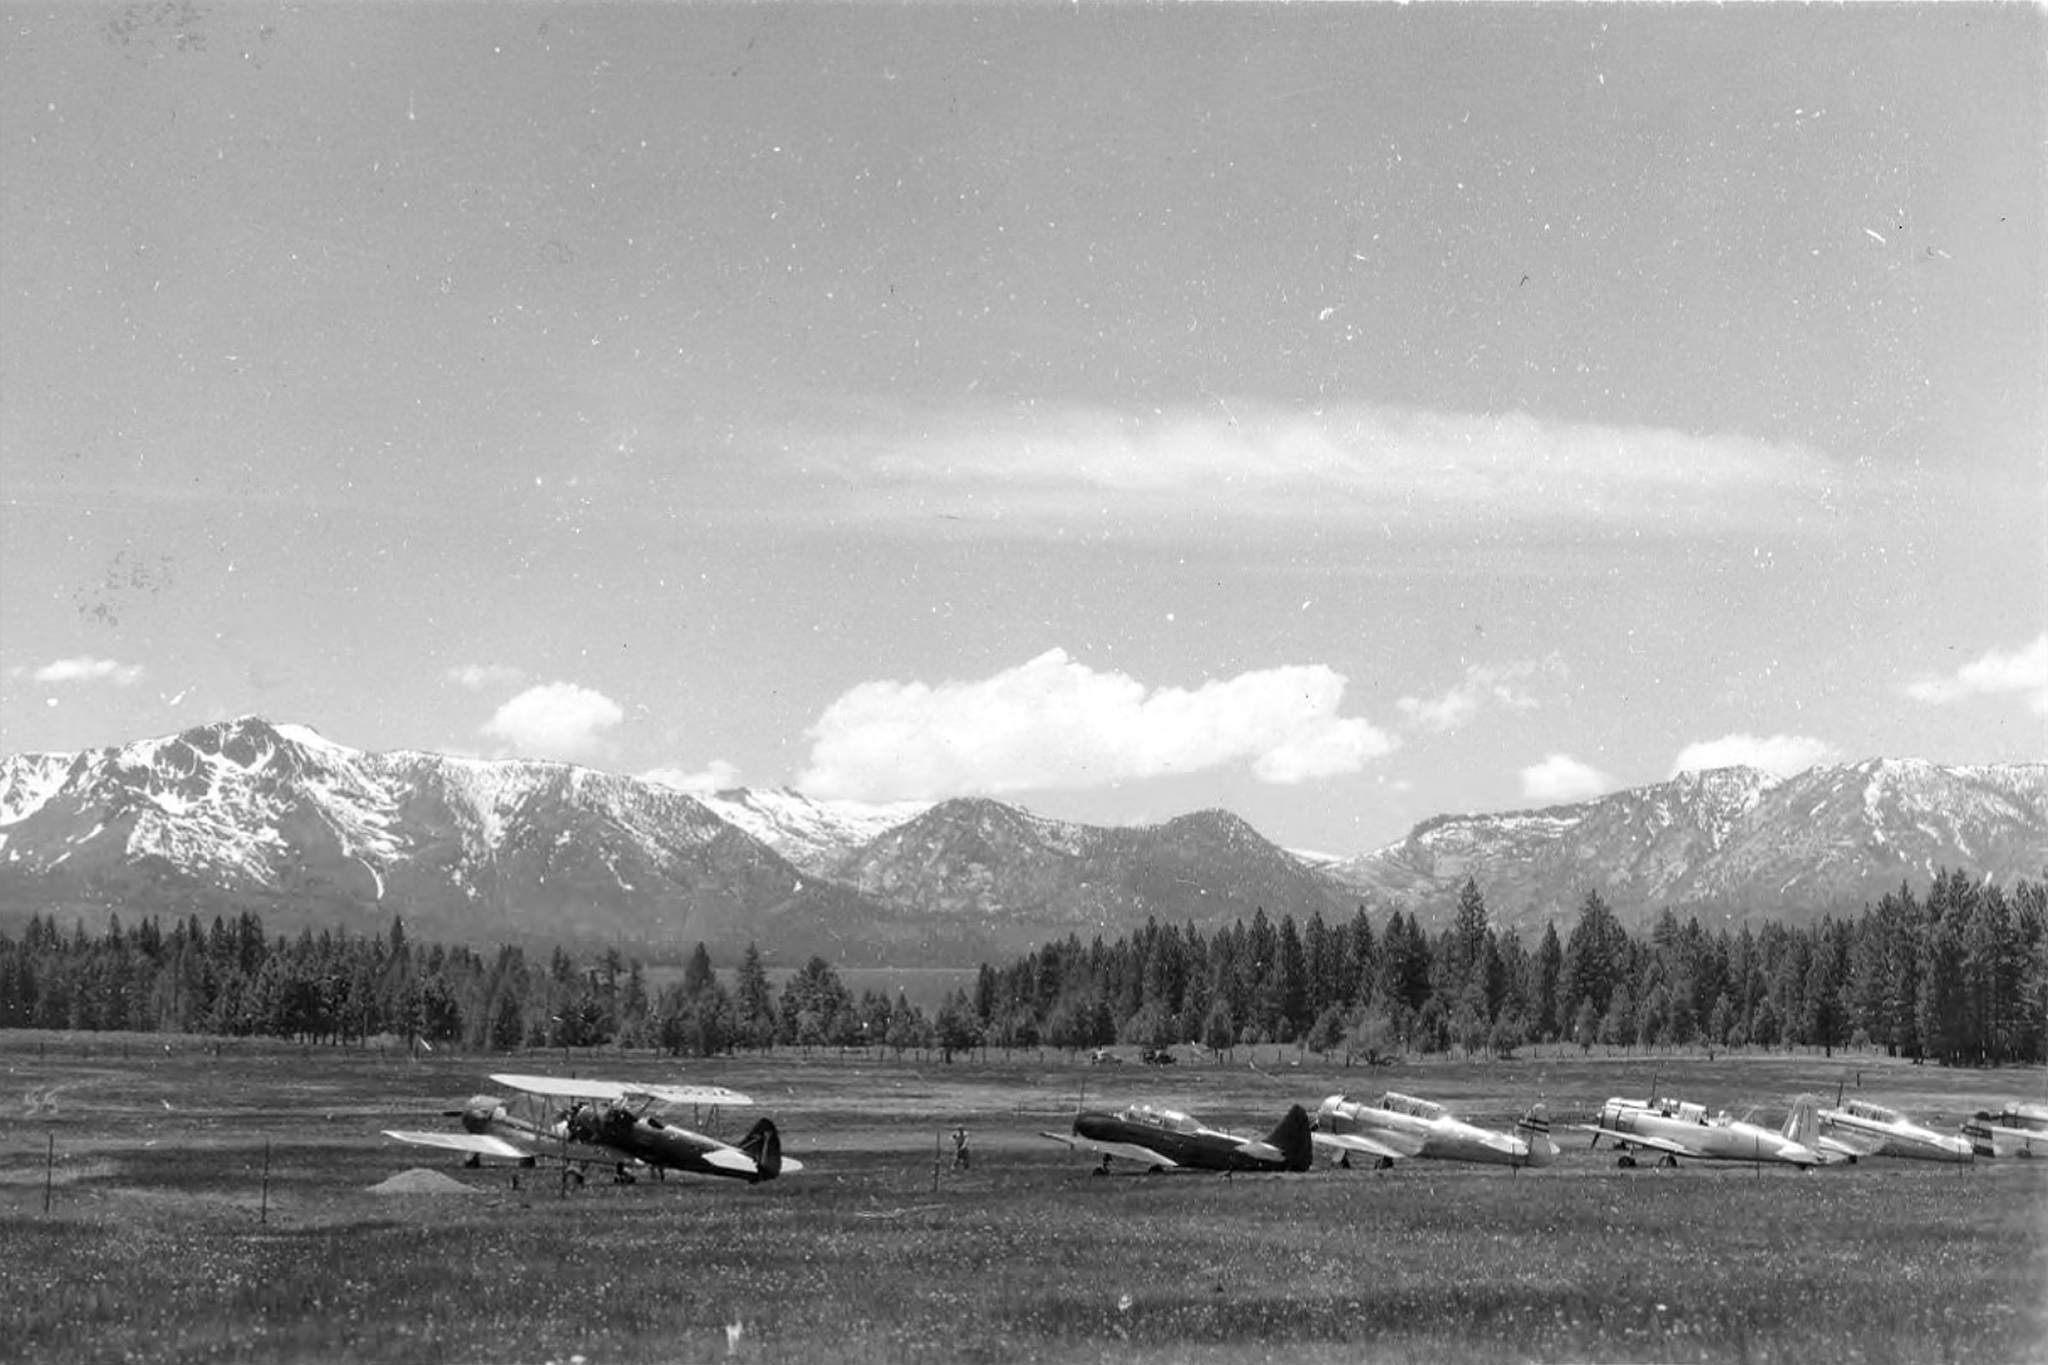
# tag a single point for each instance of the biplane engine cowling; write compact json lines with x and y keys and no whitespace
{"x":481,"y":1112}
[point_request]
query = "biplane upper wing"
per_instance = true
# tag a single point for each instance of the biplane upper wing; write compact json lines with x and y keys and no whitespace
{"x":483,"y":1144}
{"x":1128,"y":1151}
{"x":691,"y":1094}
{"x":1388,"y":1146}
{"x":616,"y":1092}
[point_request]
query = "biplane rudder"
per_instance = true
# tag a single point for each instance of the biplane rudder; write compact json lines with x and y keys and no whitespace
{"x":764,"y":1145}
{"x":1295,"y":1140}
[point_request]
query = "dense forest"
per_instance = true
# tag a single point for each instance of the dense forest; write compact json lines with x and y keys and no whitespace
{"x":1958,"y":975}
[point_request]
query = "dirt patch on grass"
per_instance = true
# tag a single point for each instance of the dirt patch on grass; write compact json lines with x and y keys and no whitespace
{"x":420,"y":1180}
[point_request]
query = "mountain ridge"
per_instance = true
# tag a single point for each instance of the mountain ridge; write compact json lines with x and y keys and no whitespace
{"x":247,"y":814}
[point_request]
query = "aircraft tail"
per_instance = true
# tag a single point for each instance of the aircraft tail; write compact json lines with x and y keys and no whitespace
{"x":764,"y":1145}
{"x":1802,"y":1124}
{"x":1534,"y":1129}
{"x":1293,"y":1138}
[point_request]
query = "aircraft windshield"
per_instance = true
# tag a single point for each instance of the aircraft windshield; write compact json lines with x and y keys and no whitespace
{"x":1170,"y":1119}
{"x":1409,"y":1105}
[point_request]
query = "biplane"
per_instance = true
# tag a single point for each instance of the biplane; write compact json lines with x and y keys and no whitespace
{"x":1399,"y":1126}
{"x":1161,"y":1139}
{"x":607,"y":1123}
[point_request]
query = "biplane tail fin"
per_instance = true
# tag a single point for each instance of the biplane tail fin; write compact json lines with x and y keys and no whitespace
{"x":764,"y":1145}
{"x":1295,"y":1139}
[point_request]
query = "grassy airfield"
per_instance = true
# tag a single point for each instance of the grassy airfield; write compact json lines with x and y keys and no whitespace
{"x":162,"y":1241}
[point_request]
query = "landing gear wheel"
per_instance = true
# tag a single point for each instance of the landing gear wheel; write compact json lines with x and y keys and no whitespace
{"x":1626,"y":1160}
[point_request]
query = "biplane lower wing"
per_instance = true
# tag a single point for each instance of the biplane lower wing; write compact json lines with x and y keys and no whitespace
{"x":479,"y":1144}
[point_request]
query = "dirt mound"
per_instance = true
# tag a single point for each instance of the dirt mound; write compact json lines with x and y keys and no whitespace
{"x":420,"y":1180}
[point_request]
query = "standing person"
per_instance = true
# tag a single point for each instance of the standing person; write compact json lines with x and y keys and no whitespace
{"x":960,"y":1156}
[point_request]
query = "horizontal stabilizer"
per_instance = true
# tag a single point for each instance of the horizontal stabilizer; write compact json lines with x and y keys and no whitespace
{"x":734,"y":1160}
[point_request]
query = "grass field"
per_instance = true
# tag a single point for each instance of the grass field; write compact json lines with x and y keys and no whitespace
{"x":162,"y":1241}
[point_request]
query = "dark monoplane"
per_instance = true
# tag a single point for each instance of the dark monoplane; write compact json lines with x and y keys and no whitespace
{"x":1167,"y":1139}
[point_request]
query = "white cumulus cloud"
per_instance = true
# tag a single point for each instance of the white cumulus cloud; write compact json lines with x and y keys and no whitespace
{"x":555,"y":720}
{"x":1484,"y":685}
{"x":1562,"y":778}
{"x":478,"y":677}
{"x":85,"y":669}
{"x":715,"y":776}
{"x":1993,"y":673}
{"x":1783,"y":755}
{"x":1054,"y":723}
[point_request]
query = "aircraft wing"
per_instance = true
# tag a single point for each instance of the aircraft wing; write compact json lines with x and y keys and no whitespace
{"x":1621,"y":1139}
{"x":2016,"y":1141}
{"x":1128,"y":1151}
{"x":1849,"y":1140}
{"x":483,"y":1144}
{"x":1383,"y":1147}
{"x":556,"y":1087}
{"x":689,"y":1094}
{"x":615,"y":1092}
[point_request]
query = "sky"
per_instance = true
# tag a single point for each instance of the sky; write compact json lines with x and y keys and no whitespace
{"x":1340,"y":414}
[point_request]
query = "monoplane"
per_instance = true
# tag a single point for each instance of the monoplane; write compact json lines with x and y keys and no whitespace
{"x":1675,"y":1129}
{"x":1858,"y":1128}
{"x":608,"y":1123}
{"x":1401,"y":1126}
{"x":1161,"y":1139}
{"x":2016,"y":1130}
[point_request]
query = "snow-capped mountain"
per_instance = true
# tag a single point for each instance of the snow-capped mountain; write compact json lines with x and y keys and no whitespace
{"x":243,"y":815}
{"x":815,"y":835}
{"x":1734,"y":843}
{"x":1029,"y":879}
{"x":248,"y":815}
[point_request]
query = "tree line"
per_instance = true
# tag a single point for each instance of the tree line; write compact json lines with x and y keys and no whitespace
{"x":1957,"y":974}
{"x":230,"y":979}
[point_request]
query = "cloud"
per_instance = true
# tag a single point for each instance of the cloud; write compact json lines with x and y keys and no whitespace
{"x":1482,"y":686}
{"x":479,"y":677}
{"x":1053,"y":723}
{"x":555,"y":720}
{"x":1039,"y":467}
{"x":85,"y":669}
{"x":1783,"y":755}
{"x":1562,"y":778}
{"x":1993,"y":673}
{"x":716,"y":776}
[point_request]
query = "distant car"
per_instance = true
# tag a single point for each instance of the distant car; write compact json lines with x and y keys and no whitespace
{"x":1158,"y":1056}
{"x":1102,"y":1056}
